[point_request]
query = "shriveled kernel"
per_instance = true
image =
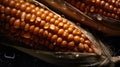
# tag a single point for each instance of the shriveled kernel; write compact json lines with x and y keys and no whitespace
{"x":17,"y":24}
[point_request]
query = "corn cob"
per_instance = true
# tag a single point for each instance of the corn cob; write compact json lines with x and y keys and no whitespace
{"x":40,"y":28}
{"x":97,"y":6}
{"x":114,"y":2}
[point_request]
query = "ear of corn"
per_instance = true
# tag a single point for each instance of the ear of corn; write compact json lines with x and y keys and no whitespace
{"x":40,"y":28}
{"x":106,"y":8}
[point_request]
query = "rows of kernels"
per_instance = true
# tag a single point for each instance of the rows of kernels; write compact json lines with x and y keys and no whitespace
{"x":46,"y":25}
{"x":96,"y":7}
{"x":107,"y":6}
{"x":114,"y":2}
